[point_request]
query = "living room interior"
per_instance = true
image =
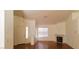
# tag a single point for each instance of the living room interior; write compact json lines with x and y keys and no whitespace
{"x":41,"y":29}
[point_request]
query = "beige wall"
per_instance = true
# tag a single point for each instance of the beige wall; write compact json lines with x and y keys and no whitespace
{"x":72,"y":29}
{"x":2,"y":29}
{"x":19,"y":30}
{"x":53,"y":30}
{"x":9,"y":29}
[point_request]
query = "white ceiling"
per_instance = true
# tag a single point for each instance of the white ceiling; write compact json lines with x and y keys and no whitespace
{"x":47,"y":16}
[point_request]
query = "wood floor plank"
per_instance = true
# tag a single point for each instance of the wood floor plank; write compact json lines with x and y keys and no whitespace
{"x":43,"y":45}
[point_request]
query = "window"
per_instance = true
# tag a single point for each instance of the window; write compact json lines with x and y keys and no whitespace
{"x":26,"y":32}
{"x":42,"y":32}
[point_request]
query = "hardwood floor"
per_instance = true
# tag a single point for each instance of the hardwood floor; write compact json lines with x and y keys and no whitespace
{"x":43,"y":45}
